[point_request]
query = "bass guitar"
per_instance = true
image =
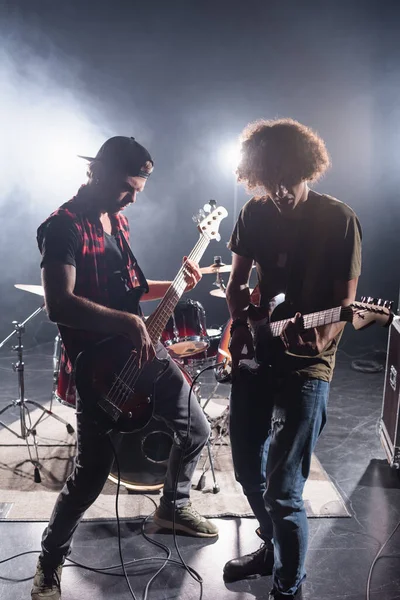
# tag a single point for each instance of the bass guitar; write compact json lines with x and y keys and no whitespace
{"x":266,"y":324}
{"x":114,"y":390}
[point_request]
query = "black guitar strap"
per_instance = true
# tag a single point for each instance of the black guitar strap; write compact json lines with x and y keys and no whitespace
{"x":139,"y":273}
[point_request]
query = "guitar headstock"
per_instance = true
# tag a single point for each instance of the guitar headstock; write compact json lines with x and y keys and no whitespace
{"x":208,"y":225}
{"x":368,"y":311}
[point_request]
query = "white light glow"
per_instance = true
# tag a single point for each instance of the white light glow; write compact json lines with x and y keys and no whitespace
{"x":44,"y":127}
{"x":229,"y":156}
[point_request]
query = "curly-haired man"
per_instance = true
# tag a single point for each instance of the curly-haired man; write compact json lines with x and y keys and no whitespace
{"x":308,"y":246}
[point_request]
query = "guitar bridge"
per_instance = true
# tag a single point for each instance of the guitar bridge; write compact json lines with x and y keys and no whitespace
{"x":110,"y":409}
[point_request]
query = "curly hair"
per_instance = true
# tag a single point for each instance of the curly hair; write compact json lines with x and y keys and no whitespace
{"x":280,"y":152}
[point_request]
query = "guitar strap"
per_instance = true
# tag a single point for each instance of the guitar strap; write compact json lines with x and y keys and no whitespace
{"x":139,"y":273}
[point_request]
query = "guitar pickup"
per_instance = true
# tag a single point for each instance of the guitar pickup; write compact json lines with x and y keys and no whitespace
{"x":110,"y":409}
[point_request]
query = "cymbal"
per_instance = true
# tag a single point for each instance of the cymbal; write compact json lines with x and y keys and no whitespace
{"x":33,"y":289}
{"x":216,"y":268}
{"x":219,"y":293}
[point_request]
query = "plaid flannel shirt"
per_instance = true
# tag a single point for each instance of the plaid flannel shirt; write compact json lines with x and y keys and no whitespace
{"x":91,"y":282}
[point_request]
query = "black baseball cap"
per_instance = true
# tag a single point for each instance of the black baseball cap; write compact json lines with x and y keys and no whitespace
{"x":125,"y":154}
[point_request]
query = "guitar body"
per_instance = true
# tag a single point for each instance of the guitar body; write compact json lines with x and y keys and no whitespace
{"x":112,"y":403}
{"x":268,"y":323}
{"x":258,"y":316}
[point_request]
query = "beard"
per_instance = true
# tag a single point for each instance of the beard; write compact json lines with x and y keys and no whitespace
{"x":114,"y":206}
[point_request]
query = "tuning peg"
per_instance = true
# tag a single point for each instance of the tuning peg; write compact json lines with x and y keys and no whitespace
{"x":388,"y":304}
{"x":201,"y":214}
{"x":213,"y":204}
{"x":363,"y":299}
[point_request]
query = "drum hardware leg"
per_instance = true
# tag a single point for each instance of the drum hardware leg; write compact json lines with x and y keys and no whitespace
{"x":210,"y":397}
{"x":221,"y":425}
{"x":26,"y":427}
{"x":202,"y":481}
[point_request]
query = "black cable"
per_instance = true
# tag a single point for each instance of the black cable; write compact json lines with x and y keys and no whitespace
{"x":118,"y":522}
{"x":181,"y":563}
{"x":377,"y":557}
{"x":101,"y":570}
{"x":189,"y":569}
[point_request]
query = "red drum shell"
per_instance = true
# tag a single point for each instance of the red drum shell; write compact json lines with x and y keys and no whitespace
{"x":185,"y":333}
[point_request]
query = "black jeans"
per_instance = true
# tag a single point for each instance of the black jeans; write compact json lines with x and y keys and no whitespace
{"x":95,"y":457}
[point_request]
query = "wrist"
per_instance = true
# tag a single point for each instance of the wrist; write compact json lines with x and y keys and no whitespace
{"x":237,"y":323}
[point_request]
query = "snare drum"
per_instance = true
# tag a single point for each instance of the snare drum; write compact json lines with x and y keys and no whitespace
{"x":185,"y":333}
{"x":208,"y":356}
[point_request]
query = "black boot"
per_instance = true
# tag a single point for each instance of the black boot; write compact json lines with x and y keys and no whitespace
{"x":260,"y":562}
{"x":275,"y":595}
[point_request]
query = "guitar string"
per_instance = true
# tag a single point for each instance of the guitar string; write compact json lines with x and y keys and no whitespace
{"x":172,"y":296}
{"x":131,"y":367}
{"x":125,"y":380}
{"x":129,"y":374}
{"x":173,"y":293}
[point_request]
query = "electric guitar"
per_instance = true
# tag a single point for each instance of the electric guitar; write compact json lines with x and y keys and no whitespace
{"x":266,"y":324}
{"x":114,"y":390}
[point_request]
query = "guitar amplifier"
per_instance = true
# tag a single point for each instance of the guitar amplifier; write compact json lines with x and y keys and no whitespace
{"x":389,"y":428}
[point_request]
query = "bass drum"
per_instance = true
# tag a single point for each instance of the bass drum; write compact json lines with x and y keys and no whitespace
{"x":143,"y":456}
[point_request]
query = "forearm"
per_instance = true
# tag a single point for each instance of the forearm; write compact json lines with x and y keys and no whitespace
{"x":157,"y":290}
{"x":326,"y":333}
{"x":345,"y":295}
{"x":238,"y":299}
{"x":81,"y":313}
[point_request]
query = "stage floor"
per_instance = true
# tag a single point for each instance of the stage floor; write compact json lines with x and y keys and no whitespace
{"x":340,"y":550}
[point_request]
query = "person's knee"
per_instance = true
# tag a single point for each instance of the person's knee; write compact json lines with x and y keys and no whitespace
{"x":88,"y":480}
{"x":282,"y":503}
{"x":250,"y":485}
{"x":200,"y":432}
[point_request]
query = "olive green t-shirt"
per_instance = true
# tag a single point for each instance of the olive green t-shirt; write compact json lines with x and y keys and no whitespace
{"x":301,"y":255}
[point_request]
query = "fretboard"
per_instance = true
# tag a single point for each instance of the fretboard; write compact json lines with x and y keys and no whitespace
{"x":323,"y":317}
{"x":157,"y":321}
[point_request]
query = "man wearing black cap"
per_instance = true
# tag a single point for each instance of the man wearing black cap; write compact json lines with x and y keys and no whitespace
{"x":87,"y":272}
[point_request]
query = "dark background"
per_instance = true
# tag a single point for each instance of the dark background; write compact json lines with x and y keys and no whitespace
{"x":184,"y":77}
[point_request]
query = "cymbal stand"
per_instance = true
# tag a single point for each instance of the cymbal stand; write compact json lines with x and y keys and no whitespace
{"x":219,"y":282}
{"x":26,"y":426}
{"x":221,"y":425}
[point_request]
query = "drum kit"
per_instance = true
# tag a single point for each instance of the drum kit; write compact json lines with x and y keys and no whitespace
{"x":143,"y":456}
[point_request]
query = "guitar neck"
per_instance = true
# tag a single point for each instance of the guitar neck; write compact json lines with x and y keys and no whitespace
{"x":157,"y":321}
{"x":323,"y":317}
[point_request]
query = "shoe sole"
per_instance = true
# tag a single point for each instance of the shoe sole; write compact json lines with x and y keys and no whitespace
{"x":178,"y":527}
{"x":243,"y":578}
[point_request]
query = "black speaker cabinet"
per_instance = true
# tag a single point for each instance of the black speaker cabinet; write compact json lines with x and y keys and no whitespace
{"x":389,"y":424}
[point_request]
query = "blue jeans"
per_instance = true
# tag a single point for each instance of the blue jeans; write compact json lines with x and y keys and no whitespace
{"x":274,"y":426}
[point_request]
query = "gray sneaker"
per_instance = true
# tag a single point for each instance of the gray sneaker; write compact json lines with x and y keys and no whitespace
{"x":46,"y":583}
{"x":187,"y":519}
